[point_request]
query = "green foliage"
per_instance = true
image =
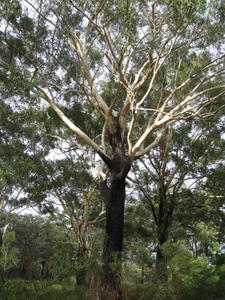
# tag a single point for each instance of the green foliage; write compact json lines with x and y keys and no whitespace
{"x":8,"y":290}
{"x":37,"y":55}
{"x":39,"y":290}
{"x":122,"y":13}
{"x":61,"y":265}
{"x":10,"y":9}
{"x":193,"y":276}
{"x":9,"y":253}
{"x":185,"y":10}
{"x":189,"y":277}
{"x":208,"y":236}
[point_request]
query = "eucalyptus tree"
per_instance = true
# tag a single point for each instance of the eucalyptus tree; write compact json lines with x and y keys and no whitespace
{"x":176,"y":177}
{"x":116,"y":61}
{"x":171,"y":175}
{"x":15,"y":164}
{"x":38,"y":248}
{"x":63,"y":186}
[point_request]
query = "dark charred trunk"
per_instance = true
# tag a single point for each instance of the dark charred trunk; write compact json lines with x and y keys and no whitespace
{"x":114,"y":196}
{"x":113,"y":243}
{"x":113,"y":192}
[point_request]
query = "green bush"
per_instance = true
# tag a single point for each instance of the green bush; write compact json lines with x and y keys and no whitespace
{"x":39,"y":290}
{"x":8,"y":290}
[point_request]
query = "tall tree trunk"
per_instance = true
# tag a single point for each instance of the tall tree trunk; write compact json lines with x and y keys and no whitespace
{"x":114,"y":197}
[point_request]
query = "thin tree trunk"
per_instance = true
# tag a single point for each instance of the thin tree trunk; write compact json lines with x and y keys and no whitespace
{"x":161,"y":263}
{"x":29,"y":271}
{"x":162,"y":234}
{"x":1,"y":238}
{"x":163,"y":226}
{"x":44,"y":269}
{"x":82,"y":271}
{"x":142,"y":272}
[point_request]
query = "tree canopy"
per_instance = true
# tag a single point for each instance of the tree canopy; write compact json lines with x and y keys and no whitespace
{"x":96,"y":90}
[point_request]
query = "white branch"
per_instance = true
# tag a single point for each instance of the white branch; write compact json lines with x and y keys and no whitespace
{"x":81,"y":50}
{"x":152,"y":145}
{"x":67,"y":121}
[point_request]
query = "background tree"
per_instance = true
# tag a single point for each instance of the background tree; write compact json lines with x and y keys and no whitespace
{"x":70,"y":188}
{"x":37,"y":246}
{"x":172,"y":173}
{"x":15,"y":164}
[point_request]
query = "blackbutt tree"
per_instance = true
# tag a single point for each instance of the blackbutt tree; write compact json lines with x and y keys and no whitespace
{"x":116,"y":61}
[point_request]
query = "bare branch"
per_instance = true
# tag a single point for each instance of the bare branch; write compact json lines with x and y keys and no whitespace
{"x":81,"y":50}
{"x":137,"y":153}
{"x":67,"y":121}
